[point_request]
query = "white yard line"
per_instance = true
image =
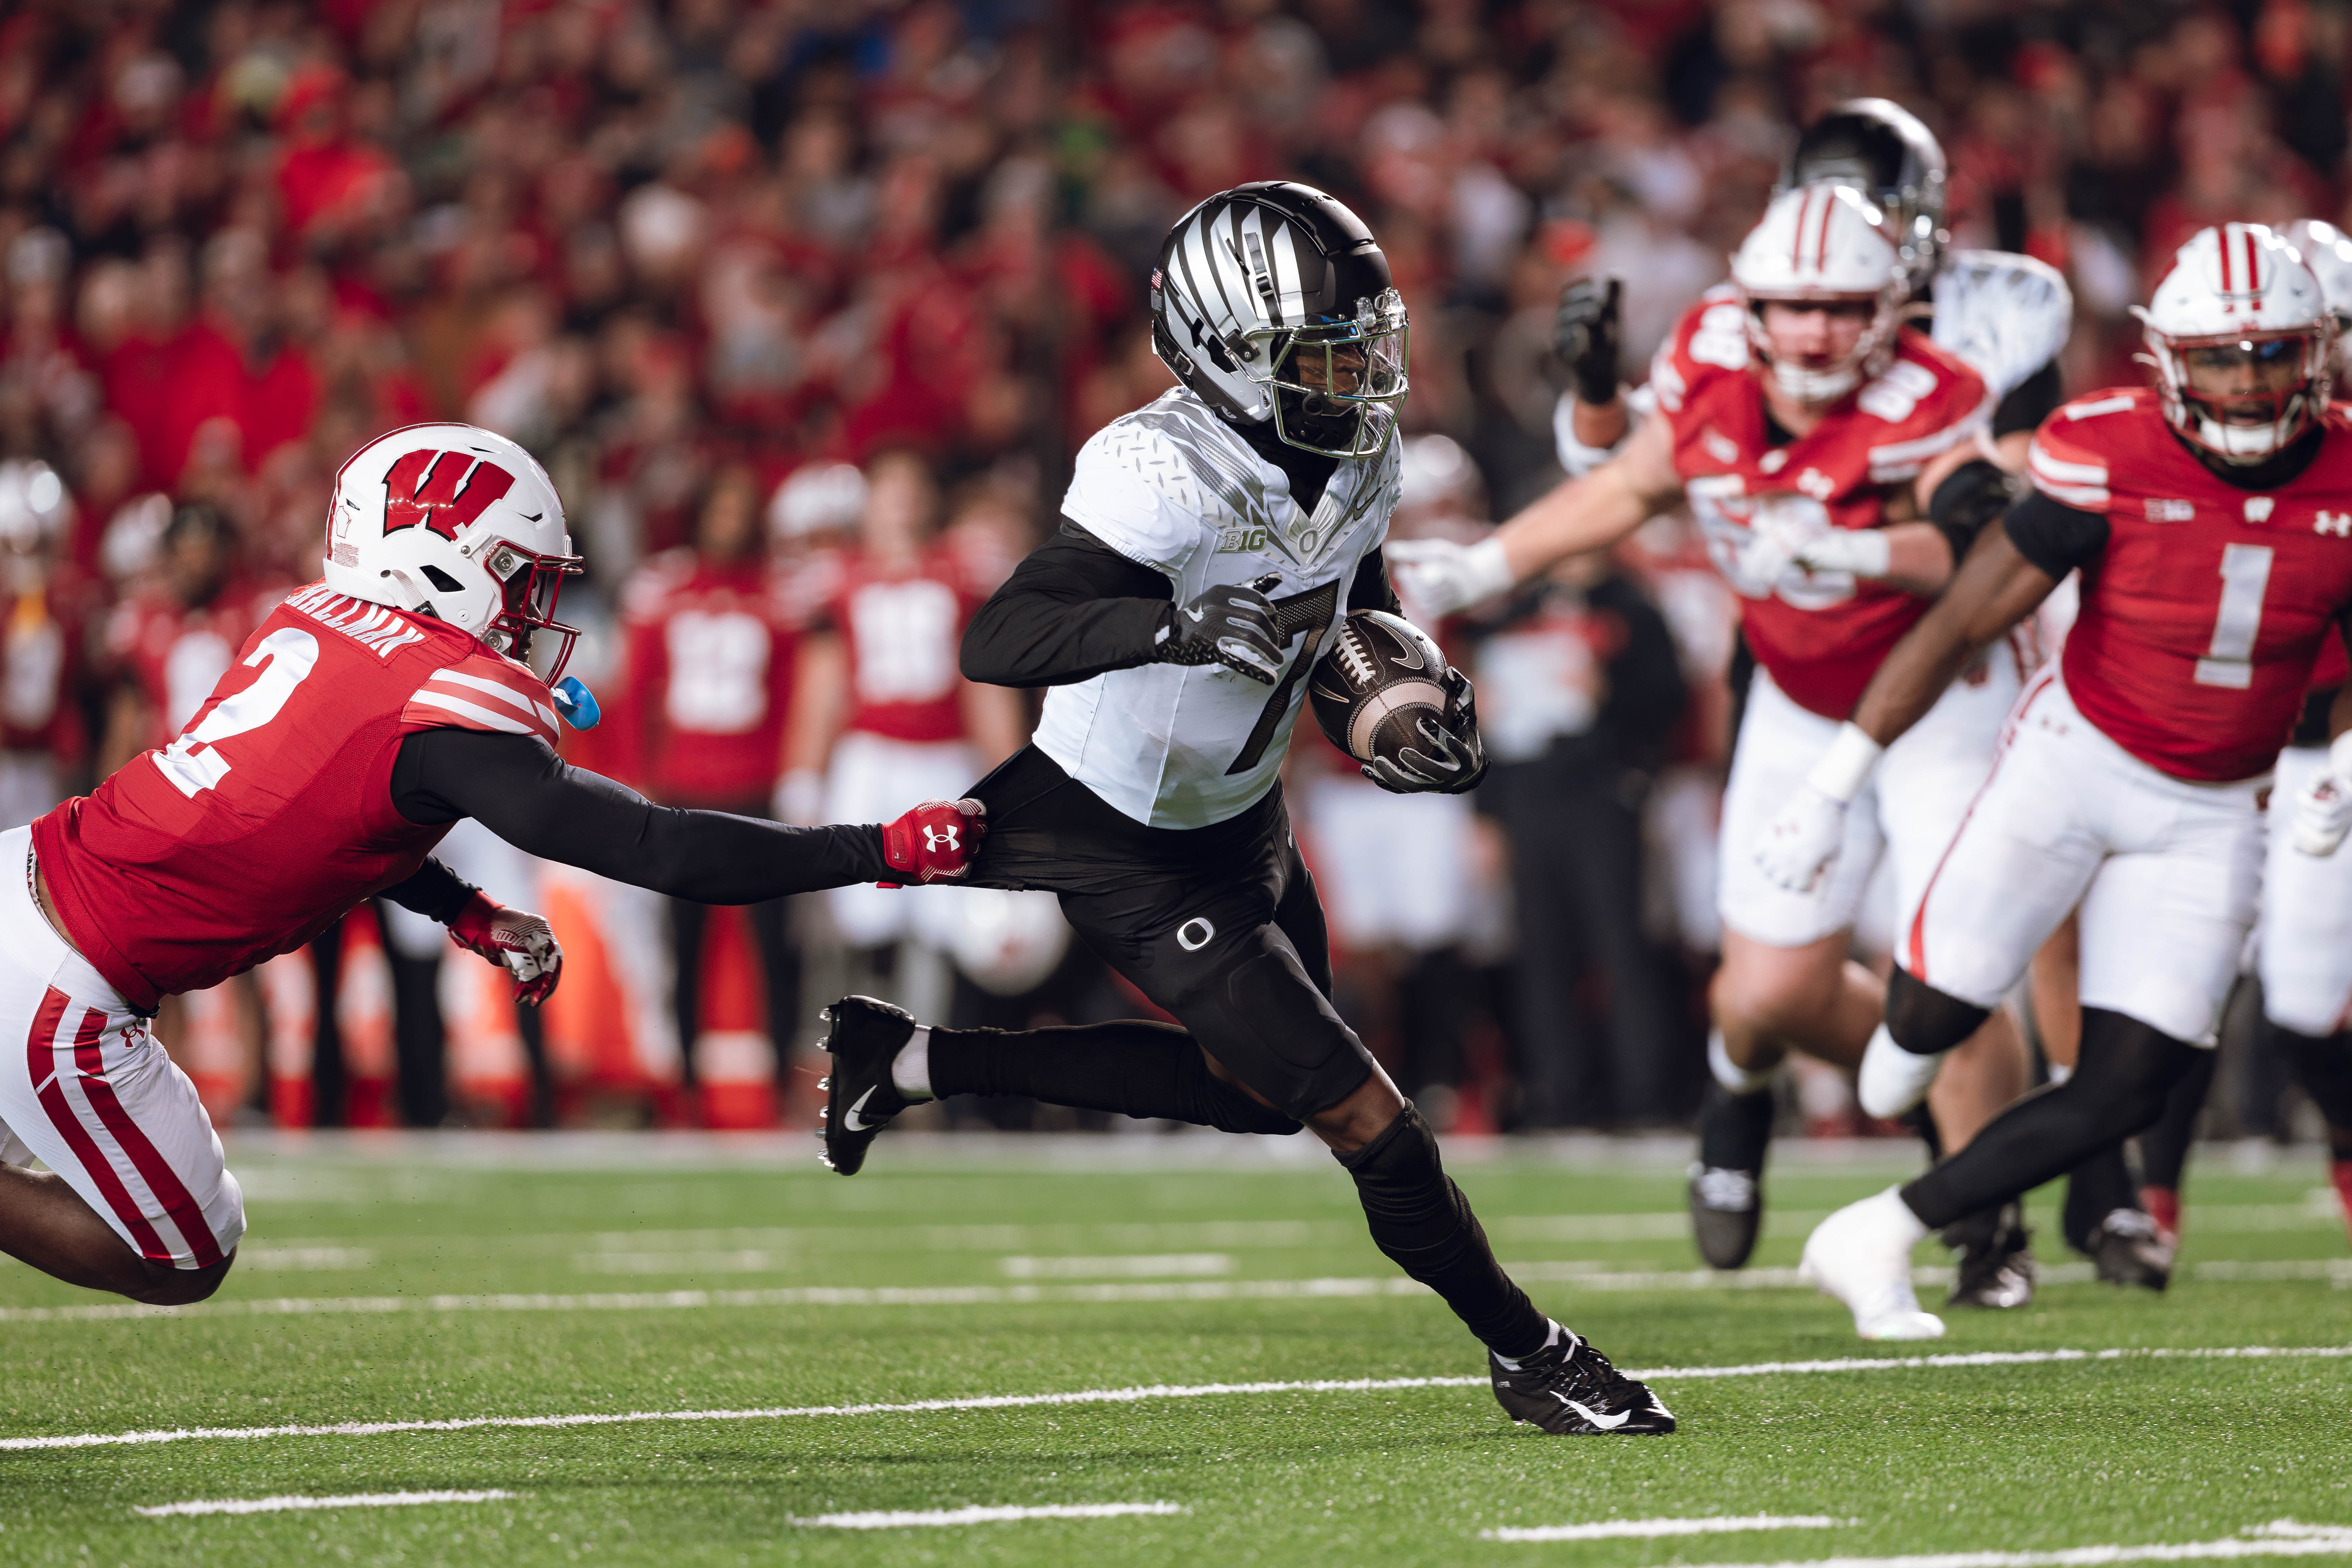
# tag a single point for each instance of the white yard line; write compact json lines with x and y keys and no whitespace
{"x":954,"y":1516}
{"x":284,"y":1504}
{"x":2337,"y":1271}
{"x":1651,"y":1528}
{"x":1154,"y":1391}
{"x":2283,"y":1539}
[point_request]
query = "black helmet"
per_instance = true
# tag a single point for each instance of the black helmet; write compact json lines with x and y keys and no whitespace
{"x":1882,"y":150}
{"x":1273,"y":302}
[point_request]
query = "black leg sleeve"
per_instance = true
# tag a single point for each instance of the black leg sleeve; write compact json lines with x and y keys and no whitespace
{"x":2096,"y":1189}
{"x":2164,"y":1148}
{"x":687,"y":920}
{"x":2324,"y":1069}
{"x":1420,"y":1219}
{"x":1130,"y":1067}
{"x":2119,"y":1086}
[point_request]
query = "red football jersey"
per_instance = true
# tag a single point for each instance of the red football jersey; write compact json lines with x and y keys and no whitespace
{"x":177,"y":655}
{"x":1821,"y":633}
{"x":709,"y":672}
{"x":904,"y":633}
{"x":2203,"y":618}
{"x":271,"y":813}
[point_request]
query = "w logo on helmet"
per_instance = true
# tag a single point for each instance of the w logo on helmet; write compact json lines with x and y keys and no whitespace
{"x":425,"y":488}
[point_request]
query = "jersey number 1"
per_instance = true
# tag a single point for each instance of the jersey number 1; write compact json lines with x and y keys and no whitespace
{"x":2245,"y":576}
{"x":193,"y":762}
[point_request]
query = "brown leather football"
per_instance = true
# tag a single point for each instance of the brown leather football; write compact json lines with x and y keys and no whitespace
{"x":1382,"y":675}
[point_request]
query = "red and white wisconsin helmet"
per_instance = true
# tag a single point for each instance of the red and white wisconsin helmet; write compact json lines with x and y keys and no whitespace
{"x":461,"y":524}
{"x":1824,"y":244}
{"x":2242,"y":341}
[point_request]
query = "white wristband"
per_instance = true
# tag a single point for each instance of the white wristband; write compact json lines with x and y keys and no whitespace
{"x":1863,"y":551}
{"x":1845,"y":768}
{"x":1487,"y":570}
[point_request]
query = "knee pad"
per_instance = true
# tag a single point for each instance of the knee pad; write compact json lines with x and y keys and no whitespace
{"x":1924,"y":1020}
{"x":1259,"y":1016}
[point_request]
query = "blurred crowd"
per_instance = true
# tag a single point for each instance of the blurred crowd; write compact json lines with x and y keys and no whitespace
{"x":806,"y":305}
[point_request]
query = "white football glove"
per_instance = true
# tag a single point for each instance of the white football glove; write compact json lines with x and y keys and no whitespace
{"x":1435,"y":577}
{"x":2323,"y":812}
{"x":1765,"y":557}
{"x":1857,"y":551}
{"x":1800,"y":843}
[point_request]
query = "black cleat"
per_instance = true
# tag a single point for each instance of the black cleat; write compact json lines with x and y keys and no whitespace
{"x":1727,"y":1210}
{"x":1570,"y":1390}
{"x":2128,"y":1250}
{"x":864,"y":1038}
{"x":1995,"y":1266}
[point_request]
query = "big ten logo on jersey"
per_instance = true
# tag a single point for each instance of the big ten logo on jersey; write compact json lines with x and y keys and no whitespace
{"x":717,"y":671}
{"x":905,"y":635}
{"x":444,"y":491}
{"x":1738,"y":528}
{"x":1246,"y":540}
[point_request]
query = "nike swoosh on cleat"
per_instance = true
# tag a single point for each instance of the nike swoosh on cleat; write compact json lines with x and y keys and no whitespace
{"x":1606,"y":1423}
{"x":854,"y":1122}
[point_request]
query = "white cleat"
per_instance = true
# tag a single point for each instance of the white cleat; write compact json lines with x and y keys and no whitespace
{"x":1892,"y":1080}
{"x":1862,"y":1256}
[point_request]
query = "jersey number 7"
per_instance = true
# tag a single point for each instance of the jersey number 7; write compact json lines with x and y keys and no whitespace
{"x":1309,"y":612}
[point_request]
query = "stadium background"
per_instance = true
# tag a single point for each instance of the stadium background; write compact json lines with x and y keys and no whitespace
{"x":710,"y":247}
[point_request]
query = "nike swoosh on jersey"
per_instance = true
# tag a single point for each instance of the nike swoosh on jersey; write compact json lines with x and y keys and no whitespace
{"x":1606,"y":1423}
{"x":857,"y":1123}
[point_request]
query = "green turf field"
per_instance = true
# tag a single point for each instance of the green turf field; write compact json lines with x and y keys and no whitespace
{"x":504,"y":1279}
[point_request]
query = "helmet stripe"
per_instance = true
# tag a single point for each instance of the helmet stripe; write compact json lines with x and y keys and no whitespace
{"x":2253,"y":263}
{"x":1797,"y":241}
{"x":2225,"y":259}
{"x":1283,"y":244}
{"x":1828,"y":211}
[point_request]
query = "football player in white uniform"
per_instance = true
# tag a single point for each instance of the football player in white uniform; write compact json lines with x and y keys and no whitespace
{"x":2002,"y":316}
{"x":1211,"y":542}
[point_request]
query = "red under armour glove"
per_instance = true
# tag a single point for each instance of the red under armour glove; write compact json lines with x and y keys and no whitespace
{"x":936,"y":841}
{"x":522,"y":941}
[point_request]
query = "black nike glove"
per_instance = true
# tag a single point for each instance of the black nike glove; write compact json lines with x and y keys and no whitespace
{"x":1451,"y":760}
{"x":1233,"y":625}
{"x":1584,"y":332}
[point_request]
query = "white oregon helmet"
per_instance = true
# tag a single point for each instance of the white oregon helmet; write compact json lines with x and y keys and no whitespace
{"x":2328,"y":254}
{"x":1824,"y":243}
{"x":2237,"y":296}
{"x":1273,"y":302}
{"x":461,"y":524}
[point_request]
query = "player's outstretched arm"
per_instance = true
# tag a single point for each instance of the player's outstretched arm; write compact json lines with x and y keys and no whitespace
{"x":517,"y":941}
{"x":517,"y":786}
{"x":1996,"y":588}
{"x":1438,"y":578}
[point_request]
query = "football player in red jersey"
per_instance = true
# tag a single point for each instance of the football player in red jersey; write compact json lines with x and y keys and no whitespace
{"x":366,"y":714}
{"x":1829,"y":454}
{"x":2212,"y":519}
{"x":709,"y":651}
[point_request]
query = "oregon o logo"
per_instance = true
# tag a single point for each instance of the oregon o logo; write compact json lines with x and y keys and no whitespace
{"x":1190,"y":943}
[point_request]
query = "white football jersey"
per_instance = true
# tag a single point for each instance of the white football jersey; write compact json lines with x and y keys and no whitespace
{"x":2007,"y":315}
{"x":1172,"y":487}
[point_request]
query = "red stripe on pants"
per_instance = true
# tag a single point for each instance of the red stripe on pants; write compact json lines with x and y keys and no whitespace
{"x":41,"y":1061}
{"x":162,"y":1179}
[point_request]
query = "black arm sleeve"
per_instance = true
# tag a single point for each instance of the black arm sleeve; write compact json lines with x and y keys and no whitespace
{"x":1971,"y":496}
{"x":2031,"y":402}
{"x":517,"y":786}
{"x":1371,"y":589}
{"x":2053,"y":535}
{"x":434,"y":891}
{"x":1072,"y":609}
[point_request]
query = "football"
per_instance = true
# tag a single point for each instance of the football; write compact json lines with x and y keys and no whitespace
{"x":1382,"y":675}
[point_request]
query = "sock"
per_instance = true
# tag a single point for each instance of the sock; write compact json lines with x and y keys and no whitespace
{"x":1734,"y":1130}
{"x":1130,"y":1067}
{"x":910,"y":1069}
{"x":1735,"y":1079}
{"x":1422,"y":1221}
{"x":2164,"y":1148}
{"x":2341,"y":1173}
{"x":2163,"y":1205}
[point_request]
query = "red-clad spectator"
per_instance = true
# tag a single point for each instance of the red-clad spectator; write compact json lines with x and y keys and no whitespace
{"x":47,"y":603}
{"x":327,"y":183}
{"x":708,"y":671}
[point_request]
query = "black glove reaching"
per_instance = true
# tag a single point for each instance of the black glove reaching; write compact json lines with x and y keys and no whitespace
{"x":1584,"y":333}
{"x":1454,"y":759}
{"x":1233,"y":625}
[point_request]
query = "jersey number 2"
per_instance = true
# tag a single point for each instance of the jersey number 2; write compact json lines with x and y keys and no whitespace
{"x":2245,"y":576}
{"x":193,"y":762}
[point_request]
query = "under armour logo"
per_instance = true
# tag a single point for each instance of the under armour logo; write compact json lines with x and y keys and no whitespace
{"x":938,"y":838}
{"x":423,"y":488}
{"x":2339,"y":523}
